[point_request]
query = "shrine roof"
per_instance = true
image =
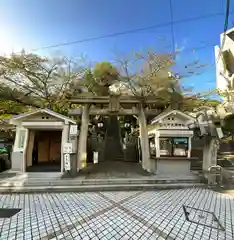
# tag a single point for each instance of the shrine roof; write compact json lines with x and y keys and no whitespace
{"x":47,"y":111}
{"x":168,"y":112}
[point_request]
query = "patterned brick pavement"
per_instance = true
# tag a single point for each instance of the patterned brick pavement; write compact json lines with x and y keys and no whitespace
{"x":117,"y":215}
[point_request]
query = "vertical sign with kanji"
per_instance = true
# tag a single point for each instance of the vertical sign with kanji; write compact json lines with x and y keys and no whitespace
{"x":67,"y":162}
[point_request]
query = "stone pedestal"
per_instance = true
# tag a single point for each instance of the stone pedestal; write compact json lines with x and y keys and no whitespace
{"x":178,"y":166}
{"x":17,"y":161}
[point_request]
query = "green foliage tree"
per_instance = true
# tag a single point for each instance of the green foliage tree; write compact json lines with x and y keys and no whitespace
{"x":153,"y":75}
{"x":34,"y":81}
{"x":11,"y":107}
{"x":105,"y":73}
{"x":190,"y":104}
{"x":100,"y":78}
{"x":31,"y":81}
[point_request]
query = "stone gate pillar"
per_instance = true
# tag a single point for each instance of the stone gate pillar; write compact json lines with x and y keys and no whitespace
{"x":82,"y":143}
{"x":144,"y":140}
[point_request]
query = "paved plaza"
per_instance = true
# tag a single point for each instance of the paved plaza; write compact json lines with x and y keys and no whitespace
{"x":119,"y":215}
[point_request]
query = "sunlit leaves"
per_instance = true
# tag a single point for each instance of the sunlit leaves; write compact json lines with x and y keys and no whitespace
{"x":35,"y":81}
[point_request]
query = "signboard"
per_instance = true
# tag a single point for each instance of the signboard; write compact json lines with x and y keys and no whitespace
{"x":220,"y":133}
{"x":95,"y":157}
{"x":179,"y":152}
{"x":67,"y":148}
{"x":164,"y":152}
{"x":73,"y":130}
{"x":67,"y":162}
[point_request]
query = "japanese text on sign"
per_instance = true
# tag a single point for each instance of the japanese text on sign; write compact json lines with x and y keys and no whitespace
{"x":67,"y":148}
{"x":67,"y":162}
{"x":73,"y":130}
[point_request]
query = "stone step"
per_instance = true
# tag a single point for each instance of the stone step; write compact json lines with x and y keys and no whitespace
{"x":114,"y":159}
{"x":93,"y":188}
{"x":89,"y":182}
{"x":42,"y":174}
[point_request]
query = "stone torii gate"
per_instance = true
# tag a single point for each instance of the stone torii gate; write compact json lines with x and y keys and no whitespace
{"x":113,"y":105}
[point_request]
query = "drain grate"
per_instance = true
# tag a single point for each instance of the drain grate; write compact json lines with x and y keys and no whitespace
{"x":8,"y":212}
{"x":202,"y":217}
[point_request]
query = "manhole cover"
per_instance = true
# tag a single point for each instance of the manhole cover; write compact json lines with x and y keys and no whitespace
{"x":8,"y":212}
{"x":202,"y":217}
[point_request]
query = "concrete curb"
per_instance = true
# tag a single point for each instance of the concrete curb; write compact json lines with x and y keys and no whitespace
{"x":97,"y":188}
{"x":106,"y":182}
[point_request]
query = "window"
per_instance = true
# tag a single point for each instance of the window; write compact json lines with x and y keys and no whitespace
{"x":180,"y":146}
{"x":173,"y":146}
{"x":152,"y":146}
{"x":165,"y":145}
{"x":45,"y":117}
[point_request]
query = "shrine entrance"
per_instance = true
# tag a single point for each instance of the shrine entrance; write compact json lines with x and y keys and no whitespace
{"x":110,"y":145}
{"x":113,"y":142}
{"x":45,"y":151}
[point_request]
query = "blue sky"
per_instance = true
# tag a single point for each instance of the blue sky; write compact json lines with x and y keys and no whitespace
{"x":34,"y":24}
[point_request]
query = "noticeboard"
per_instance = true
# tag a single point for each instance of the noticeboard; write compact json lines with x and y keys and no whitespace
{"x":67,"y":148}
{"x":73,"y":130}
{"x":67,"y":162}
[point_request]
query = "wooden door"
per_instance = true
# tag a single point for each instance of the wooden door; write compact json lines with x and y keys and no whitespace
{"x":55,"y":150}
{"x":43,"y":150}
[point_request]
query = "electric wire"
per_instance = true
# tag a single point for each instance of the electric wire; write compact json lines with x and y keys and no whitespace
{"x":111,"y":35}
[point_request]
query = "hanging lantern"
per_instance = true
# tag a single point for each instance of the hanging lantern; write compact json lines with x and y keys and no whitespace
{"x":100,"y":124}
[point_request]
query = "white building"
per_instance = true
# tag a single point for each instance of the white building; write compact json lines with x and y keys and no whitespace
{"x":224,"y":57}
{"x":44,"y":132}
{"x":170,"y":141}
